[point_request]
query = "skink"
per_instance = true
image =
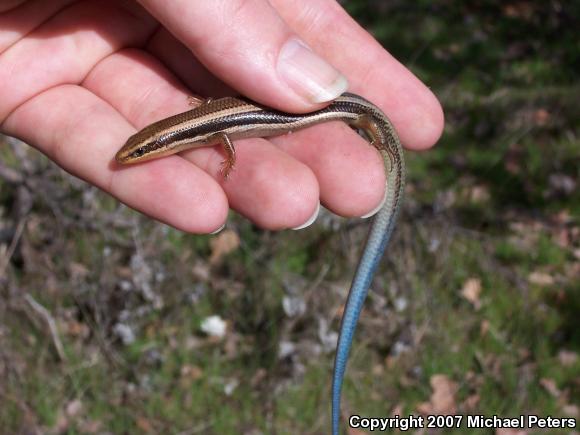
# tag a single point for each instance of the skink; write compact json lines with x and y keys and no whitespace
{"x":222,"y":120}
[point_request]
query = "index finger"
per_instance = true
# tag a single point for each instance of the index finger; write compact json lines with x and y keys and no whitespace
{"x":372,"y":71}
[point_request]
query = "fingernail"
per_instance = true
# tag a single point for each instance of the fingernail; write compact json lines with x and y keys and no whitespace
{"x":378,"y":207}
{"x":309,"y":75}
{"x":219,"y":229}
{"x":309,"y":221}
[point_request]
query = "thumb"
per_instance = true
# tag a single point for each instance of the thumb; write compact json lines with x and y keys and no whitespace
{"x":251,"y":48}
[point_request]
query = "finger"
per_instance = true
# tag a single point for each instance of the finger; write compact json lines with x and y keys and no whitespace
{"x":267,"y":186}
{"x":64,"y":48}
{"x":372,"y":71}
{"x":247,"y":45}
{"x":177,"y":58}
{"x":350,"y":172}
{"x":20,"y":17}
{"x":81,"y":133}
{"x":8,"y":5}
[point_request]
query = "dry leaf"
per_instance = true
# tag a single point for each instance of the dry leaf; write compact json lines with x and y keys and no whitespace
{"x":191,"y":373}
{"x":562,"y":184}
{"x":224,"y":243}
{"x":571,"y":411}
{"x":562,"y":238}
{"x":144,"y":424}
{"x":73,"y":408}
{"x":193,"y":343}
{"x":201,"y":271}
{"x":508,"y":431}
{"x":378,"y":370}
{"x":390,"y":362}
{"x":259,"y":377}
{"x":442,"y":399}
{"x":572,"y":270}
{"x":479,"y":194}
{"x":470,"y":404}
{"x":513,"y":159}
{"x":524,"y":353}
{"x":484,"y":327}
{"x":521,"y":10}
{"x":397,"y":410}
{"x":62,"y":424}
{"x":231,"y":346}
{"x":78,"y":270}
{"x":550,"y":386}
{"x":425,"y":408}
{"x":471,"y":291}
{"x":75,"y":328}
{"x":540,"y":278}
{"x":91,"y":426}
{"x":567,"y":358}
{"x":541,"y":117}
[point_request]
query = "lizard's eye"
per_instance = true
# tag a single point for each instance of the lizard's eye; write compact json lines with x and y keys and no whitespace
{"x":138,"y":152}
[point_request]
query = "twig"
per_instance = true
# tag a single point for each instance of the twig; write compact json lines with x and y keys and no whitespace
{"x":45,"y":314}
{"x":10,"y":251}
{"x":10,"y":175}
{"x":197,"y":429}
{"x":308,"y":294}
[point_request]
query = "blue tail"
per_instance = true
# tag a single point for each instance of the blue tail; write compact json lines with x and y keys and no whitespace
{"x":378,"y":238}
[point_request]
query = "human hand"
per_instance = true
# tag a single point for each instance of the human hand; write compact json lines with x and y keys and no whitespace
{"x":79,"y":77}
